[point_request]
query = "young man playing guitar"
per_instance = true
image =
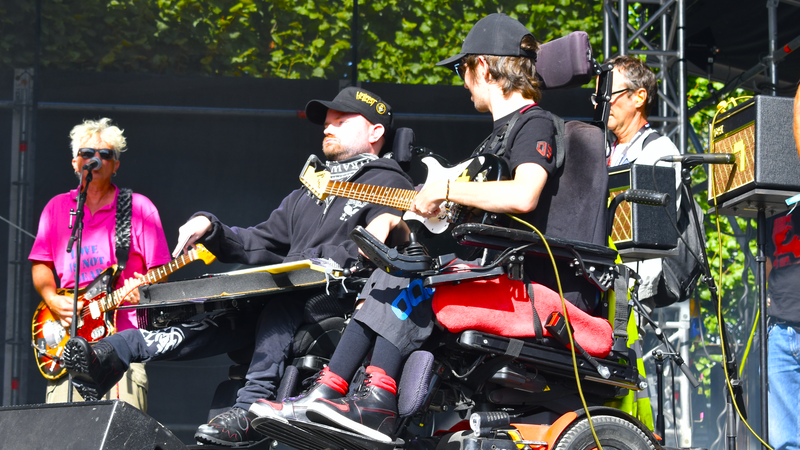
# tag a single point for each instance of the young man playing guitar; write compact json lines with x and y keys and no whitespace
{"x":497,"y":64}
{"x":148,"y":246}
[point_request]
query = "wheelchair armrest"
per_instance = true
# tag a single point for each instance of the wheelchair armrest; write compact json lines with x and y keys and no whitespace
{"x":500,"y":238}
{"x":390,"y":259}
{"x":457,"y":277}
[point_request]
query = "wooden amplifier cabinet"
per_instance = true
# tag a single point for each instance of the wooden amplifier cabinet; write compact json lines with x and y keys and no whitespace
{"x":767,"y":170}
{"x":640,"y":229}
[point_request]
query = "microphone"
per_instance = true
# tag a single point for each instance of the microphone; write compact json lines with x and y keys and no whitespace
{"x":93,"y":163}
{"x":695,"y":159}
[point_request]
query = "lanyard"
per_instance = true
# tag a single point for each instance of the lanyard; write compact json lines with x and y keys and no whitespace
{"x":616,"y":160}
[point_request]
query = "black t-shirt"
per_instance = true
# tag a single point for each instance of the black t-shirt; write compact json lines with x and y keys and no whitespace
{"x":531,"y":140}
{"x":561,"y":212}
{"x":783,"y":248}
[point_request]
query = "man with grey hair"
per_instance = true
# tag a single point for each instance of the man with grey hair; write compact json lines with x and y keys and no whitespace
{"x":100,"y":143}
{"x":633,"y":94}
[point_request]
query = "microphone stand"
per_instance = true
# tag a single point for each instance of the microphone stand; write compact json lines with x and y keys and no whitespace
{"x":75,"y":238}
{"x":729,"y":365}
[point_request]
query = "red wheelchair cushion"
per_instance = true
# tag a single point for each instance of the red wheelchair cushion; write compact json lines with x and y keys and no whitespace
{"x":501,"y":306}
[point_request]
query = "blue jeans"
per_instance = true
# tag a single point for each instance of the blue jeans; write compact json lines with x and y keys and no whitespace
{"x":784,"y":387}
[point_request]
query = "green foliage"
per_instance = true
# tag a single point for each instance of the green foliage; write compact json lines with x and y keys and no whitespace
{"x":398,"y":41}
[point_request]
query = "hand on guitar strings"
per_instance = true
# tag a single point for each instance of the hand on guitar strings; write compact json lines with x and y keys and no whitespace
{"x":428,"y":201}
{"x":190,"y":232}
{"x":61,"y":307}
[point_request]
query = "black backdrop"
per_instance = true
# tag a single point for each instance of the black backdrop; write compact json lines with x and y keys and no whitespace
{"x":236,"y":166}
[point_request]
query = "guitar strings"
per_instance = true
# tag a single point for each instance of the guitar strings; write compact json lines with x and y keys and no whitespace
{"x":393,"y":197}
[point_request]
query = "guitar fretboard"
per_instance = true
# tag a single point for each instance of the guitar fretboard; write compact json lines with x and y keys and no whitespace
{"x":153,"y":276}
{"x":393,"y":197}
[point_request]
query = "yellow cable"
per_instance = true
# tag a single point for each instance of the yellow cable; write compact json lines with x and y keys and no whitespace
{"x":569,"y":330}
{"x":749,"y":342}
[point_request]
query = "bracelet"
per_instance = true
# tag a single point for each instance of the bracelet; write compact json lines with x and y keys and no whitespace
{"x":447,"y":195}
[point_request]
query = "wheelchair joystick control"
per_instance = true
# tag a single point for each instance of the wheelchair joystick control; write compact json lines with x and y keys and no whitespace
{"x":414,"y":247}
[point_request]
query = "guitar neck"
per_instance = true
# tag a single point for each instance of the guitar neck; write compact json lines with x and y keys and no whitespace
{"x":154,"y":275}
{"x":393,"y":197}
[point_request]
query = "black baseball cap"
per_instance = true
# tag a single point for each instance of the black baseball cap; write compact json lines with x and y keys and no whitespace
{"x":352,"y":100}
{"x":496,"y":34}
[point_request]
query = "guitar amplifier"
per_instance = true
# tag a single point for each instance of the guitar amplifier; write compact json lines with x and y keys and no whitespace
{"x":767,"y":170}
{"x":643,"y":231}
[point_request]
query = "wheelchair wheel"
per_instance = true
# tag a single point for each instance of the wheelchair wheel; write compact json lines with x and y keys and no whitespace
{"x":613,"y":433}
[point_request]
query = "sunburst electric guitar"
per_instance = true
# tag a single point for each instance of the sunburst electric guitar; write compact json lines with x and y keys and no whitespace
{"x":95,"y":319}
{"x":476,"y":169}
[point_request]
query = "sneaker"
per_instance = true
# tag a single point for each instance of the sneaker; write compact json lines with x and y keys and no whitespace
{"x":229,"y":429}
{"x":95,"y":369}
{"x":371,"y":411}
{"x":327,"y":385}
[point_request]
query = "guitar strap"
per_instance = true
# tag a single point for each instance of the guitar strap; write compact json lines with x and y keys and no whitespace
{"x":497,"y":146}
{"x":122,"y":232}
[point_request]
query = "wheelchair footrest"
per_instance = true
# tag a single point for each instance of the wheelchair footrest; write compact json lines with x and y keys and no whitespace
{"x":287,"y":434}
{"x":312,"y":436}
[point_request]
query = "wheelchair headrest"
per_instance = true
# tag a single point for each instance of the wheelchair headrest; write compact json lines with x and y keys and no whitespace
{"x":565,"y":62}
{"x":402,"y":146}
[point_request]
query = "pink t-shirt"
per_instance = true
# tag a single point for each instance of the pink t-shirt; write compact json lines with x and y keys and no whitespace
{"x":148,"y":243}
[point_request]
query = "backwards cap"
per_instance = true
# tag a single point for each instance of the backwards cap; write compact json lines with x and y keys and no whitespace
{"x":496,"y":34}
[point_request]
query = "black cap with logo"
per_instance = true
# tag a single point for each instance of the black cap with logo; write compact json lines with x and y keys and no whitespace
{"x":496,"y":34}
{"x":352,"y":100}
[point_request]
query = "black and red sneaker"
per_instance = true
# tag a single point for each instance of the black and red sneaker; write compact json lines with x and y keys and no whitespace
{"x":371,"y":411}
{"x":232,"y":428}
{"x":327,"y":385}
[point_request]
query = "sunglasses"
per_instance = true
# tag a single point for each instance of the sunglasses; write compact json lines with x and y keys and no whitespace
{"x":105,"y":153}
{"x":461,"y":69}
{"x":610,"y":96}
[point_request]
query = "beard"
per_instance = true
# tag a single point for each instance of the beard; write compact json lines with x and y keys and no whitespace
{"x":336,"y":151}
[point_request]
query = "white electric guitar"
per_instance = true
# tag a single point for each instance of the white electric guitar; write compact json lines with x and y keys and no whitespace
{"x":476,"y":169}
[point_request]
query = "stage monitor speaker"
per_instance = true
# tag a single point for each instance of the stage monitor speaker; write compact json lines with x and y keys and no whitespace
{"x":108,"y":425}
{"x":767,"y":169}
{"x":643,"y":231}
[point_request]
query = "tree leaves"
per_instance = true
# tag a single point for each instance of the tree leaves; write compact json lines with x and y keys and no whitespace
{"x":398,"y":42}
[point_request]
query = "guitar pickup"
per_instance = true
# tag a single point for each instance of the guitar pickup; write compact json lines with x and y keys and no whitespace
{"x":94,"y":309}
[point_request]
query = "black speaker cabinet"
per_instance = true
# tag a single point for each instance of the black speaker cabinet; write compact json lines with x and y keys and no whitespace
{"x":643,"y":231}
{"x":767,"y":169}
{"x":108,"y":425}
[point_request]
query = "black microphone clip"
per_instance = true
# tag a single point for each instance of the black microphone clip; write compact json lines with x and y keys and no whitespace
{"x":94,"y":163}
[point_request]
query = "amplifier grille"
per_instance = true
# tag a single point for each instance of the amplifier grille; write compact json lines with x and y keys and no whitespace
{"x":622,"y":231}
{"x":729,"y":177}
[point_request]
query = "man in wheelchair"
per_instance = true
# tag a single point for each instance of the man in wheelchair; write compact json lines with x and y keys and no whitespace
{"x":556,"y":186}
